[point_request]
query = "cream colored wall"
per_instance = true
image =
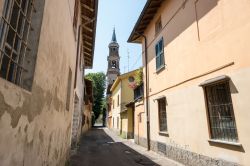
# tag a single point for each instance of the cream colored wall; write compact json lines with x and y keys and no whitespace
{"x":223,"y":42}
{"x":35,"y":125}
{"x":126,"y":95}
{"x":140,"y":127}
{"x":217,"y":44}
{"x":187,"y":123}
{"x":116,"y":110}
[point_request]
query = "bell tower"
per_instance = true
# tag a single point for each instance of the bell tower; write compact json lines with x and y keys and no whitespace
{"x":113,"y":62}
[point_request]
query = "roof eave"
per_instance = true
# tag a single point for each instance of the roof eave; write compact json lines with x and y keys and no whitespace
{"x":89,"y":65}
{"x":94,"y":35}
{"x":135,"y":35}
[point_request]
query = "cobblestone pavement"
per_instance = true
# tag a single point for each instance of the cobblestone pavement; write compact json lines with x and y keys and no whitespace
{"x":101,"y":147}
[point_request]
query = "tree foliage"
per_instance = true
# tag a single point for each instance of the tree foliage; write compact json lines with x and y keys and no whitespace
{"x":98,"y":80}
{"x":139,"y":77}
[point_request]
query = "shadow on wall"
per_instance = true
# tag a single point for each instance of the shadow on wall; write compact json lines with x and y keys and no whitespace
{"x":187,"y":13}
{"x":97,"y":148}
{"x":225,"y":146}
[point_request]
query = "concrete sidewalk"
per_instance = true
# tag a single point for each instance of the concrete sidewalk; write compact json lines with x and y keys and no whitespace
{"x":155,"y":157}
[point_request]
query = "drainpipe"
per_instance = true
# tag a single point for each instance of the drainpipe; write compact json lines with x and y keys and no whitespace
{"x":146,"y":84}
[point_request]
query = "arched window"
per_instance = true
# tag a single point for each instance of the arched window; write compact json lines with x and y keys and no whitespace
{"x":113,"y":64}
{"x":19,"y":39}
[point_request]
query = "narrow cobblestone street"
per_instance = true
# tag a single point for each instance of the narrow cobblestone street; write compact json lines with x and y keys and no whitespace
{"x":101,"y":147}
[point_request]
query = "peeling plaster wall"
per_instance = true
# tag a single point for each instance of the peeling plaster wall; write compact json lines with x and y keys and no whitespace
{"x":35,"y":126}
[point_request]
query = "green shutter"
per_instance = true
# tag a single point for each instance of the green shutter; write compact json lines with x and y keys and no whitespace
{"x":159,"y":51}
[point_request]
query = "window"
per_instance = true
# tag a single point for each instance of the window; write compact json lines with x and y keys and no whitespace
{"x":158,"y":26}
{"x":118,"y":101}
{"x":220,"y":112}
{"x":113,"y":65}
{"x":19,"y":39}
{"x":138,"y":92}
{"x":131,"y":79}
{"x":159,"y":51}
{"x":162,"y":114}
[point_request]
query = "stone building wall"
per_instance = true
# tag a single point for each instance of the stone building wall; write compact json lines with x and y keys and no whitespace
{"x":35,"y":125}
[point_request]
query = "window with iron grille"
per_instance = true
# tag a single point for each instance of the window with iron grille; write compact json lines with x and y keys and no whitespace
{"x":220,"y":112}
{"x":19,"y":40}
{"x":162,"y":114}
{"x":159,"y":51}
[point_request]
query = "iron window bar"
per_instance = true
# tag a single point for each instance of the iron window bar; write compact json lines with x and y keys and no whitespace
{"x":15,"y":28}
{"x":220,"y":111}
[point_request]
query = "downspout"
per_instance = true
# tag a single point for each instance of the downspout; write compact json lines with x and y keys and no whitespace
{"x":146,"y":84}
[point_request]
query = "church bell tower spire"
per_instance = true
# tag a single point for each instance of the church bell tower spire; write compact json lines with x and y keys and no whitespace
{"x":113,"y":62}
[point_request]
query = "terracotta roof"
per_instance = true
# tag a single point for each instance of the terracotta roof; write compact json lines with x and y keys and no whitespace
{"x":145,"y":18}
{"x":89,"y":10}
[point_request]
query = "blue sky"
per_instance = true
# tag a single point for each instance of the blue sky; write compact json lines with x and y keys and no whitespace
{"x":122,"y":14}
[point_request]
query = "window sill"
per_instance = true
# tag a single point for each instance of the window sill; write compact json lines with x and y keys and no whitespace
{"x":164,"y":133}
{"x":138,"y":99}
{"x":225,"y":142}
{"x":15,"y":86}
{"x":160,"y":69}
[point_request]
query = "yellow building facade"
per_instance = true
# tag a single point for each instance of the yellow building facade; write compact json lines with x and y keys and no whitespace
{"x":122,"y":116}
{"x":197,"y":71}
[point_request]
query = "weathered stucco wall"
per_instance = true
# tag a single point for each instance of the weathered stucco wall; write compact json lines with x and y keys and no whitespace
{"x":35,"y":126}
{"x":116,"y":109}
{"x":202,"y":40}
